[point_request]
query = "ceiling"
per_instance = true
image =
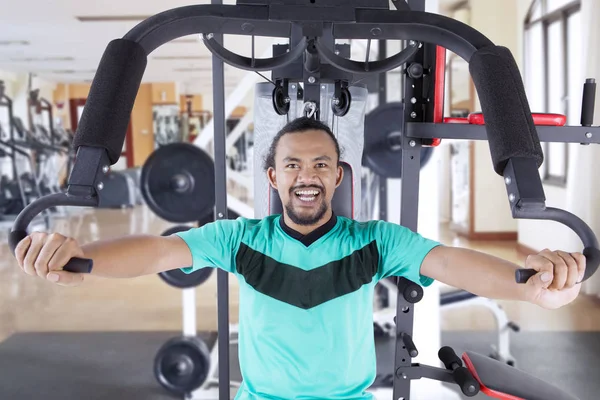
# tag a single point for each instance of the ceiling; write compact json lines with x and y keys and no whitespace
{"x":51,"y":40}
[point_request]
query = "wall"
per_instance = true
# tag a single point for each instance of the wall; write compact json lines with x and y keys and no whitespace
{"x":141,"y":124}
{"x":499,"y":21}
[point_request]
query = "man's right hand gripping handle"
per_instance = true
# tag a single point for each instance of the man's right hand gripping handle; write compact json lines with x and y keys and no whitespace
{"x":44,"y":255}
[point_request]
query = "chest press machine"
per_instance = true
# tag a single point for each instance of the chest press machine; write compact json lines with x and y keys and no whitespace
{"x":312,"y":27}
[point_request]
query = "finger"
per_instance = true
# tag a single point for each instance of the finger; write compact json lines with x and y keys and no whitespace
{"x":21,"y":250}
{"x":544,"y":267}
{"x":572,"y":270}
{"x":53,"y":242}
{"x":61,"y":257}
{"x":560,"y":269}
{"x":65,"y":278}
{"x":581,"y":264}
{"x":37,"y":242}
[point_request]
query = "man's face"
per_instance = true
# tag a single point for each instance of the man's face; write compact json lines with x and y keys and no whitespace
{"x":306,"y":175}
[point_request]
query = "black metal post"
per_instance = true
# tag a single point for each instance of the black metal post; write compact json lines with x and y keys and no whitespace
{"x":409,"y":210}
{"x":382,"y":100}
{"x":221,"y":213}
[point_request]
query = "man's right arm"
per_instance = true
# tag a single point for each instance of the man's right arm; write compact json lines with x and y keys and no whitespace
{"x":137,"y":255}
{"x":212,"y":245}
{"x":44,"y":255}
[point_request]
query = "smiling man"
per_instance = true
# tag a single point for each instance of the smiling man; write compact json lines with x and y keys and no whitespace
{"x":307,"y":276}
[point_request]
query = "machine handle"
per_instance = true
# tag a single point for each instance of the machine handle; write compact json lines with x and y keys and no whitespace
{"x":592,"y":260}
{"x":19,"y":231}
{"x":591,"y":249}
{"x":468,"y":385}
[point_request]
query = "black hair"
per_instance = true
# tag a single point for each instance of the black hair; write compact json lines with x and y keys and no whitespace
{"x":298,"y":125}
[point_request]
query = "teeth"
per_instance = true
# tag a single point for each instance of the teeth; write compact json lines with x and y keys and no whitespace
{"x":307,"y":192}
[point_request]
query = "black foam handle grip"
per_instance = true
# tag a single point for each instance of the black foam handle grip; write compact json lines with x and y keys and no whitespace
{"x":510,"y":128}
{"x":592,"y":261}
{"x":588,"y":102}
{"x":108,"y":108}
{"x":75,"y":264}
{"x":465,"y":380}
{"x":447,"y":356}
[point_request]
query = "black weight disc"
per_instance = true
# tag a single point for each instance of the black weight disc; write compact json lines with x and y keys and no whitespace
{"x":177,"y":182}
{"x":382,"y":154}
{"x":181,"y":365}
{"x":179,"y":279}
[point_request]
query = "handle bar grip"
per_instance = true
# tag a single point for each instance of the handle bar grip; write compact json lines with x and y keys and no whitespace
{"x":468,"y":384}
{"x":75,"y":264}
{"x":592,"y":261}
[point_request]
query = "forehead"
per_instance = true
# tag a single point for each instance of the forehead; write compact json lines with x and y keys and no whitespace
{"x":313,"y":142}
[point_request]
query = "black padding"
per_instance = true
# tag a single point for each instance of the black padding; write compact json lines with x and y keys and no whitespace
{"x":499,"y":377}
{"x":455,"y":297}
{"x":108,"y":107}
{"x":342,"y":202}
{"x":508,"y":121}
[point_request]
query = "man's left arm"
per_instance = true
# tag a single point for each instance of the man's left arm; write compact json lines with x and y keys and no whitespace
{"x":554,"y":285}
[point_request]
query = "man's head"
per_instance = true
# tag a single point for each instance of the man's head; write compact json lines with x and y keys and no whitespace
{"x":303,"y":165}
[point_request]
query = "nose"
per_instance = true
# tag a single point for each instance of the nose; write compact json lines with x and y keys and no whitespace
{"x":307,"y":175}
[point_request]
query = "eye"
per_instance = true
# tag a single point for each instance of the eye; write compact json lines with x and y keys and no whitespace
{"x":291,"y":166}
{"x":321,"y":165}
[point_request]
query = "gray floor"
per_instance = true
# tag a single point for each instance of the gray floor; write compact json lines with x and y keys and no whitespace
{"x":115,"y":366}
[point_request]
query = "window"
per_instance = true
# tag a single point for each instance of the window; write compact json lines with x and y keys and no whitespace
{"x":553,"y":85}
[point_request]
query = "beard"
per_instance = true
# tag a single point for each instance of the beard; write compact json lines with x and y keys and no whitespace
{"x":310,"y":219}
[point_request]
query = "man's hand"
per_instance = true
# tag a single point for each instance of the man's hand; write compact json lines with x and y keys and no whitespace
{"x":557,"y":282}
{"x":44,"y":255}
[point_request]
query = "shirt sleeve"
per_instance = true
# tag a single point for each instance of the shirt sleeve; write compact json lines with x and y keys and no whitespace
{"x":402,"y":252}
{"x":214,"y":244}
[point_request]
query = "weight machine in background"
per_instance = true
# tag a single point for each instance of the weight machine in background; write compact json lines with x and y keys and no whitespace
{"x":509,"y":128}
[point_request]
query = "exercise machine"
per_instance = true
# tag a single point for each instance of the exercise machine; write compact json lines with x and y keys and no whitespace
{"x":312,"y":28}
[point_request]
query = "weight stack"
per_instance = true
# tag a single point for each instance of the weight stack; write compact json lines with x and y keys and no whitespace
{"x":348,"y":129}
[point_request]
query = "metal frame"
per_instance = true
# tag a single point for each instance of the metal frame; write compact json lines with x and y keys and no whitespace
{"x":312,"y":28}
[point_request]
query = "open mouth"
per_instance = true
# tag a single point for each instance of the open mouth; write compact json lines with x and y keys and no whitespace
{"x":307,"y":195}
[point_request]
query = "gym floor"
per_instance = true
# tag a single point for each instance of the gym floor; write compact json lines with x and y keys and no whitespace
{"x":148,"y":304}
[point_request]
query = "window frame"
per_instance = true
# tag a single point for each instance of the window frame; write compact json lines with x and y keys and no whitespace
{"x":546,"y":19}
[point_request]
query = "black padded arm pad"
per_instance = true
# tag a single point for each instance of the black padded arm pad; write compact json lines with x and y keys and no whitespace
{"x":509,"y":124}
{"x":497,"y":378}
{"x":108,"y":107}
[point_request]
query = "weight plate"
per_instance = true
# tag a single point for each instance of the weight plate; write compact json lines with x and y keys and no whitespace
{"x":178,"y":182}
{"x":179,"y":279}
{"x":383,"y":129}
{"x":181,"y":365}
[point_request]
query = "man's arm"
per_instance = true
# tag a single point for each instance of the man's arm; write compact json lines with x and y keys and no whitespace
{"x":211,"y":245}
{"x":137,"y":255}
{"x":44,"y":255}
{"x":492,"y":277}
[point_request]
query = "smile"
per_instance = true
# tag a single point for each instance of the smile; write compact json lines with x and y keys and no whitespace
{"x":307,"y":195}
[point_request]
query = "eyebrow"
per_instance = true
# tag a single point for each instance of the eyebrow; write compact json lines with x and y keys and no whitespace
{"x":320,"y":158}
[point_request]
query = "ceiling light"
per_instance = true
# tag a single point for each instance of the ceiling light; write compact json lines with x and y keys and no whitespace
{"x":14,"y":43}
{"x":112,"y":18}
{"x":38,"y":59}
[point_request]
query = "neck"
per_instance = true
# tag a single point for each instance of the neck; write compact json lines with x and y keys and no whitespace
{"x":306,"y":229}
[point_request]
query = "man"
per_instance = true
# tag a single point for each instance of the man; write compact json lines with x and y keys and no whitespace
{"x":307,"y":277}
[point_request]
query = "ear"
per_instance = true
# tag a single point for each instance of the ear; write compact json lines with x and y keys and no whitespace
{"x":272,"y":176}
{"x":340,"y":176}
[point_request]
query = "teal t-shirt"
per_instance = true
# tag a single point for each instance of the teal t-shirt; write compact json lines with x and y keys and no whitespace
{"x":306,"y":312}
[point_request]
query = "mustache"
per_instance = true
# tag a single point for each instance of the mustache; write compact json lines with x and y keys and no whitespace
{"x":321,"y":189}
